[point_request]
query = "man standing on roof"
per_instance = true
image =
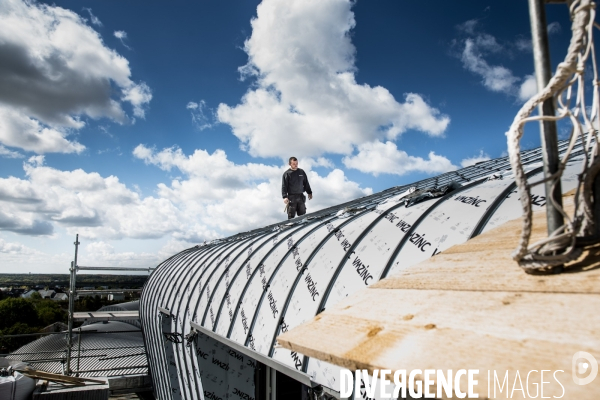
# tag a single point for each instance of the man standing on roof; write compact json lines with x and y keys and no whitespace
{"x":294,"y":183}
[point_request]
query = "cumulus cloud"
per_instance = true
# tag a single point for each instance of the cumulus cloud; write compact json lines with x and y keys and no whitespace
{"x":82,"y":202}
{"x":19,"y":130}
{"x":385,"y":158}
{"x":54,"y":71}
{"x":221,"y":197}
{"x":477,"y":46}
{"x":215,"y":197}
{"x":14,"y":248}
{"x":103,"y":253}
{"x":467,"y":162}
{"x":306,"y":90}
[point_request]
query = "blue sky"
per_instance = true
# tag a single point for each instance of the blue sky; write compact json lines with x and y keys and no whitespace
{"x":149,"y":127}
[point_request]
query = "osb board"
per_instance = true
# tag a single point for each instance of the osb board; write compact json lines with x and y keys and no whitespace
{"x":470,"y":307}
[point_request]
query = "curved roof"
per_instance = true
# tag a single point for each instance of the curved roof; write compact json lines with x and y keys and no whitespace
{"x":102,"y":353}
{"x":252,"y":286}
{"x":128,"y":306}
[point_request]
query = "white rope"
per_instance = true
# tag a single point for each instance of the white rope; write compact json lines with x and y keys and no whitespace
{"x":559,"y":247}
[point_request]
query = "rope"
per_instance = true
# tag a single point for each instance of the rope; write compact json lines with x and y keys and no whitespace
{"x":559,"y":247}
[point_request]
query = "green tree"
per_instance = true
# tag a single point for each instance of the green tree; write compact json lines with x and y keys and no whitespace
{"x":10,"y":344}
{"x":17,"y":310}
{"x":50,"y":312}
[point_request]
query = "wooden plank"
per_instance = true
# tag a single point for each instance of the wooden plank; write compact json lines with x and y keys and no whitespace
{"x":49,"y":376}
{"x":470,"y":307}
{"x":498,"y":331}
{"x":369,"y":344}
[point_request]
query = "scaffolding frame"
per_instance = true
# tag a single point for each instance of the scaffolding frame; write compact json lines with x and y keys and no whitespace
{"x":75,"y":267}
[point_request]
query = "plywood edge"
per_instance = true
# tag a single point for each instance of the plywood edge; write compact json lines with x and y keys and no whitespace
{"x":368,"y":345}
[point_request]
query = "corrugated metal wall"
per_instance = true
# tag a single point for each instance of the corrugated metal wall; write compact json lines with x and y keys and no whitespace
{"x":252,"y":286}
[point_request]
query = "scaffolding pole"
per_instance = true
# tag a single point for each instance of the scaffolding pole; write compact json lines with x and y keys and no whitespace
{"x":72,"y":285}
{"x":543,"y":73}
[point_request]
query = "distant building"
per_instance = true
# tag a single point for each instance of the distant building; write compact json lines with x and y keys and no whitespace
{"x":60,"y":297}
{"x":28,"y":294}
{"x":47,"y":294}
{"x":116,"y":297}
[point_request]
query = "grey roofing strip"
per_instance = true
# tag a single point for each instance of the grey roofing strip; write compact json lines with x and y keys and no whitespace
{"x":485,"y":218}
{"x":355,"y":244}
{"x":156,"y":358}
{"x":237,"y":307}
{"x":251,"y":244}
{"x":264,"y":293}
{"x":233,"y":279}
{"x":113,"y":346}
{"x":301,"y":272}
{"x":218,"y":249}
{"x":419,"y":220}
{"x":235,"y":245}
{"x":216,"y":285}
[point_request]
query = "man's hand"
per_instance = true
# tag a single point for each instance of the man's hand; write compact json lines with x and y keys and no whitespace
{"x":310,"y":196}
{"x":285,"y":201}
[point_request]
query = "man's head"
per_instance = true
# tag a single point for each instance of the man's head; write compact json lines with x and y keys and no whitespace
{"x":293,"y":163}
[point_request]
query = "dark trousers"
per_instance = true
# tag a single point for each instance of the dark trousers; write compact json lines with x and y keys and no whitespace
{"x":296,"y":205}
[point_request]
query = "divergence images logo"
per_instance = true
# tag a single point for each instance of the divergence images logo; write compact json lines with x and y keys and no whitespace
{"x":583,"y":364}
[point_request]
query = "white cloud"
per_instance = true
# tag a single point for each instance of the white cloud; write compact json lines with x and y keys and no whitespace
{"x":199,"y":118}
{"x":103,"y":253}
{"x":306,"y":92}
{"x":19,"y":130}
{"x":554,"y":28}
{"x":95,"y":20}
{"x":87,"y":203}
{"x":214,"y":198}
{"x":122,"y":35}
{"x":138,"y":96}
{"x":385,"y":158}
{"x":14,"y":248}
{"x":308,"y":163}
{"x":6,"y":153}
{"x":54,"y":71}
{"x":523,"y":44}
{"x":467,"y":162}
{"x":496,"y":78}
{"x":528,"y":88}
{"x":221,"y":197}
